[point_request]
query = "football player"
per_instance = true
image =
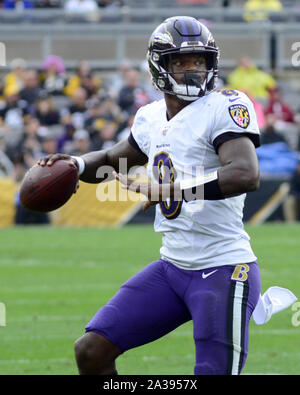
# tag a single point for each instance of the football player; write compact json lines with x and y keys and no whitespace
{"x":207,"y":272}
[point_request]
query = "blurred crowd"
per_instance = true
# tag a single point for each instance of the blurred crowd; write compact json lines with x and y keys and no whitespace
{"x":259,"y":7}
{"x":77,"y":5}
{"x":123,"y":10}
{"x":51,"y":110}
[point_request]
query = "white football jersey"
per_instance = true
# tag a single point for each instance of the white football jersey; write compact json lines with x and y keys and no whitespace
{"x":197,"y":234}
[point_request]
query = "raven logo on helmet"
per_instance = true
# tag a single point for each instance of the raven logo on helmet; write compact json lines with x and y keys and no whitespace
{"x":183,"y":35}
{"x":164,"y":38}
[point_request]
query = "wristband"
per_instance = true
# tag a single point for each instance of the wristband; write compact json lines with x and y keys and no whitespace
{"x":80,"y":163}
{"x":205,"y":187}
{"x":197,"y":181}
{"x":212,"y":191}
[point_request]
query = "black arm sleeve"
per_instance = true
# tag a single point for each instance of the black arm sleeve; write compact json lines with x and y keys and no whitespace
{"x":218,"y":141}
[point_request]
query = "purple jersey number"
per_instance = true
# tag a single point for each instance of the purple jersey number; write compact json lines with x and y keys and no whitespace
{"x":164,"y":173}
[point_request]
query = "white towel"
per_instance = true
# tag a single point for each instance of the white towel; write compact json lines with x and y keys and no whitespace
{"x":271,"y":302}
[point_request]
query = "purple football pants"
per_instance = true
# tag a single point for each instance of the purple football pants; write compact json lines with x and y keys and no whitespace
{"x":161,"y":297}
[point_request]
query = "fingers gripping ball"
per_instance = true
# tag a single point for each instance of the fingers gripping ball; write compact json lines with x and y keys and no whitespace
{"x":46,"y":188}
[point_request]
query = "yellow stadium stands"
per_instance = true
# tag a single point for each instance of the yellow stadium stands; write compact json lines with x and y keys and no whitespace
{"x":83,"y":209}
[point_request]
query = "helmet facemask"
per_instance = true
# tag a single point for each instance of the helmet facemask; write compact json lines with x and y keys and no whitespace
{"x":190,"y":84}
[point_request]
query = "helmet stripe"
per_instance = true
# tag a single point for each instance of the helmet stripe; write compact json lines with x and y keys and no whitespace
{"x":190,"y":31}
{"x":184,"y":27}
{"x":196,"y":31}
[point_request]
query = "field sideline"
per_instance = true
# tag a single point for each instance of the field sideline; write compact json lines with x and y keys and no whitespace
{"x":53,"y":280}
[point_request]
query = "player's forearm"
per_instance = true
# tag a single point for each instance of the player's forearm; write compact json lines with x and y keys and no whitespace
{"x":235,"y":180}
{"x":99,"y":165}
{"x":96,"y":167}
{"x":209,"y":190}
{"x":227,"y":182}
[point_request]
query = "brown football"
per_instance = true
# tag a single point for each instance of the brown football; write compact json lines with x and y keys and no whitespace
{"x":46,"y":188}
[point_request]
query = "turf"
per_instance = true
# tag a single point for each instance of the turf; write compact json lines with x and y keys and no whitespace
{"x":53,"y":280}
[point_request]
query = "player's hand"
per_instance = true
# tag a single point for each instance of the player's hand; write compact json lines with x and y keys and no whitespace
{"x":151,"y":191}
{"x":50,"y":159}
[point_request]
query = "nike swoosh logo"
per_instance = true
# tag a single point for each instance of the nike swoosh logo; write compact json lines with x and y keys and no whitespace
{"x":205,"y":275}
{"x":234,"y":99}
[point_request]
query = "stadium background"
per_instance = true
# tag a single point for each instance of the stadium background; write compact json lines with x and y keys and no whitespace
{"x":72,"y":82}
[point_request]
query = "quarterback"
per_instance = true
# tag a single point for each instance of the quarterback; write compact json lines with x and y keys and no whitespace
{"x":207,"y":272}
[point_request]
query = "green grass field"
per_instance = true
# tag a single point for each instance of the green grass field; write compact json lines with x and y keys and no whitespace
{"x":53,"y":280}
